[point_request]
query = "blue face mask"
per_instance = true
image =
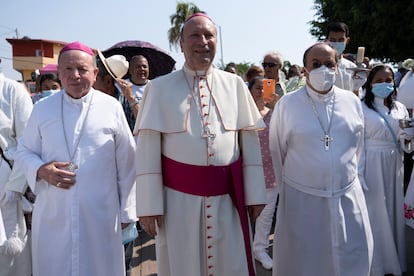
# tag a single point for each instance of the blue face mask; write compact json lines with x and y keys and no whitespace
{"x":382,"y":90}
{"x":47,"y":93}
{"x":339,"y":47}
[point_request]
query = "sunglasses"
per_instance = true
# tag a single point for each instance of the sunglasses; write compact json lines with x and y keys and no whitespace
{"x":269,"y":64}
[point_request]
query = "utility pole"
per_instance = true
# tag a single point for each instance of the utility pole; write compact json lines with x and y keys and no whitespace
{"x":221,"y":48}
{"x":17,"y":33}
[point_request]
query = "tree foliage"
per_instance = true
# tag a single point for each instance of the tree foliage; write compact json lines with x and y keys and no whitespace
{"x":183,"y":11}
{"x":385,"y":28}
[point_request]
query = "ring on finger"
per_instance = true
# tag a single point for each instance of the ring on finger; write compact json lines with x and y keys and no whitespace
{"x":58,"y":184}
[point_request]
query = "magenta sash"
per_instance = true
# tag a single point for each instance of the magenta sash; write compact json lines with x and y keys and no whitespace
{"x":211,"y":181}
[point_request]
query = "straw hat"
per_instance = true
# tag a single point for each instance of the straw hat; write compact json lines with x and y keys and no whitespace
{"x":116,"y":65}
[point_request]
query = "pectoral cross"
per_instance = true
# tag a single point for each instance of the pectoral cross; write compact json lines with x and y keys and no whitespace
{"x":208,"y":134}
{"x":72,"y":167}
{"x":326,"y":139}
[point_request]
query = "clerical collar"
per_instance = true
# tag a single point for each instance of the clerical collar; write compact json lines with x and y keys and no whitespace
{"x":318,"y":95}
{"x":193,"y":73}
{"x":81,"y":100}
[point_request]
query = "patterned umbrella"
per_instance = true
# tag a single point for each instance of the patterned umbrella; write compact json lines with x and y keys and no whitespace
{"x":160,"y":63}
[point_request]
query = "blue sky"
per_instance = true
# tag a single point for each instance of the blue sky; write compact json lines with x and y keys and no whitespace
{"x":249,"y":29}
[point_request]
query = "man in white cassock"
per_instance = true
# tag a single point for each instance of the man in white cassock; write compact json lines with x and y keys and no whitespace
{"x":15,"y":108}
{"x":199,"y":165}
{"x":78,"y":155}
{"x":316,"y":142}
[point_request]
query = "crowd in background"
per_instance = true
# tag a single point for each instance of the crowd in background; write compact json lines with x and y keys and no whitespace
{"x":361,"y":189}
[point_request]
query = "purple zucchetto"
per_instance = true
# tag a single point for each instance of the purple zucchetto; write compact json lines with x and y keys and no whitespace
{"x":196,"y":15}
{"x":77,"y":46}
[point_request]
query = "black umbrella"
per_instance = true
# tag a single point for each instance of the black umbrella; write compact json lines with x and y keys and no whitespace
{"x":160,"y":63}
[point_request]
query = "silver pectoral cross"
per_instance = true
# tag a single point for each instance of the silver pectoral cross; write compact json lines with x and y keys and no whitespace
{"x":326,"y":139}
{"x":71,"y":167}
{"x":207,"y":133}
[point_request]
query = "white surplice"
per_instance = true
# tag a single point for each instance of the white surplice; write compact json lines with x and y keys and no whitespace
{"x":200,"y":235}
{"x":322,"y":225}
{"x":78,"y":231}
{"x":15,"y":108}
{"x":385,"y":193}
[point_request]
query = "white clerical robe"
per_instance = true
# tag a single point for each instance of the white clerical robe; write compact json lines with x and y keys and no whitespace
{"x":385,"y":193}
{"x":322,"y":225}
{"x":78,"y":231}
{"x":200,"y":235}
{"x":15,"y":108}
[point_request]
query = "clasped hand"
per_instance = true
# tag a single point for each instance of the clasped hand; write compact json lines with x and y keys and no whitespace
{"x":56,"y":174}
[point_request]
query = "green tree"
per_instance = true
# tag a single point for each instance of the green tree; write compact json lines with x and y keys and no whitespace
{"x":385,"y":28}
{"x":183,"y":11}
{"x":242,"y":68}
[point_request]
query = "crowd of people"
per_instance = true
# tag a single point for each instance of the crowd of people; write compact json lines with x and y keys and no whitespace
{"x":208,"y":163}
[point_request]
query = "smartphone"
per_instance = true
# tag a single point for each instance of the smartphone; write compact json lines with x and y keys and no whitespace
{"x":269,"y":88}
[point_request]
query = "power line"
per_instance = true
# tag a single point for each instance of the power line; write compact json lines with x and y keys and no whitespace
{"x":22,"y":60}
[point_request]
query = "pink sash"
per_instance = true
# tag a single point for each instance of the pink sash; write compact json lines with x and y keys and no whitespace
{"x":211,"y":181}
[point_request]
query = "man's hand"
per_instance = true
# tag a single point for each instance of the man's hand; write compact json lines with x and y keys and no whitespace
{"x":254,"y":211}
{"x":148,"y":224}
{"x":56,"y":174}
{"x":126,"y":88}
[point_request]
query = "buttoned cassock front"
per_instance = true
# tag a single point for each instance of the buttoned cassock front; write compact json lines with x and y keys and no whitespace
{"x":201,"y":235}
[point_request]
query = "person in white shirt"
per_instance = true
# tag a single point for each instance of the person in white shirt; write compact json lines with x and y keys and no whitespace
{"x":346,"y":78}
{"x":138,"y":75}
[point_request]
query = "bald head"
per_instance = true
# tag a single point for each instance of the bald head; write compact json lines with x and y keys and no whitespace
{"x":320,"y":49}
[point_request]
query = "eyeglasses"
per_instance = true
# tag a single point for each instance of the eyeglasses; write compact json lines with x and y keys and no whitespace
{"x":270,"y":64}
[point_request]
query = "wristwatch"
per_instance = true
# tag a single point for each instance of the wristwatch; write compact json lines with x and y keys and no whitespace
{"x":135,"y":102}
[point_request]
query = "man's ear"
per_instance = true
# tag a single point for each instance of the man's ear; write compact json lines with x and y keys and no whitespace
{"x":181,"y":45}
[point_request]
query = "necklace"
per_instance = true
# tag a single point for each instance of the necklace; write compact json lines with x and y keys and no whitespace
{"x":326,"y":138}
{"x":197,"y":100}
{"x":72,"y":166}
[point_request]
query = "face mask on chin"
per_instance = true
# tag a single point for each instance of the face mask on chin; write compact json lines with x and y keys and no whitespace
{"x":322,"y":79}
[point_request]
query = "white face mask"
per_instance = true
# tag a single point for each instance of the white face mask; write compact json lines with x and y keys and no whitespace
{"x":322,"y":78}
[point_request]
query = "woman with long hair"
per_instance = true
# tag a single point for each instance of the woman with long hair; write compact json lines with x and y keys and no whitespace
{"x":384,"y":191}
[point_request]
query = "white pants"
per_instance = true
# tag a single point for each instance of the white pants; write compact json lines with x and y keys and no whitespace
{"x":264,"y":222}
